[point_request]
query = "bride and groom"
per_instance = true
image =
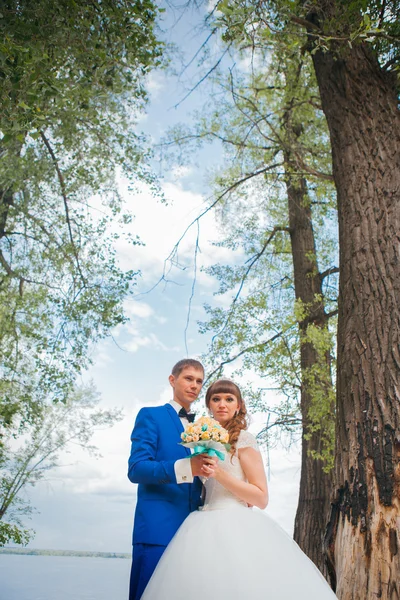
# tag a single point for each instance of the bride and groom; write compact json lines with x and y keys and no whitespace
{"x":225,"y":548}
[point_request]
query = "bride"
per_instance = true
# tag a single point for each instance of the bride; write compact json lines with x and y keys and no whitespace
{"x":226,"y":549}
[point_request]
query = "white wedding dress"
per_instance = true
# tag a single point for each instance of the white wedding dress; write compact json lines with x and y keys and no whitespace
{"x":228,"y":551}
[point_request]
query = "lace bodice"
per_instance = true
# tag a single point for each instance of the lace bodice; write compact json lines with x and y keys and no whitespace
{"x":216,"y":495}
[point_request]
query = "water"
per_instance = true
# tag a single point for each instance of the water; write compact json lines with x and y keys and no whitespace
{"x":27,"y":577}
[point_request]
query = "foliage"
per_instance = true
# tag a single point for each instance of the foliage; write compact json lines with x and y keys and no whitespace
{"x":73,"y":77}
{"x":27,"y":461}
{"x":10,"y":532}
{"x":269,"y":33}
{"x":255,"y":319}
{"x":332,"y":26}
{"x":317,"y":378}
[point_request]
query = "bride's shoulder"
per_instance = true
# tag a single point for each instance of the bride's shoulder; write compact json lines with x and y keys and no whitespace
{"x":247,"y":440}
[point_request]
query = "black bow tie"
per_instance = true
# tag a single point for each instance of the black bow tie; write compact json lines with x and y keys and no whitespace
{"x":185,"y":415}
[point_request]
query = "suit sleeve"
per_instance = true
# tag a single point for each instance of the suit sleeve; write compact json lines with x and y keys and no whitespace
{"x":143,"y":466}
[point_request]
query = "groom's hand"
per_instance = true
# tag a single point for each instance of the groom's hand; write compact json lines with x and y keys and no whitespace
{"x":203,"y":465}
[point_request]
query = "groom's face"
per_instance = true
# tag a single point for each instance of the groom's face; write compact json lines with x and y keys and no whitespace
{"x":187,"y":385}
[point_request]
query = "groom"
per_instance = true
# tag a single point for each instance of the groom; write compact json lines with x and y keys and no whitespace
{"x":169,"y":488}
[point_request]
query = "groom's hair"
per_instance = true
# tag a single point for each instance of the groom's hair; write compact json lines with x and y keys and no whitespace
{"x":186,"y":362}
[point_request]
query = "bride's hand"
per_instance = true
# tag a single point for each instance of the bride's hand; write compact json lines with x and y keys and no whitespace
{"x":210,"y":468}
{"x":203,"y":465}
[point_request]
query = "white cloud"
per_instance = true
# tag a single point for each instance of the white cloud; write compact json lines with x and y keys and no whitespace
{"x":150,"y":340}
{"x":101,"y":357}
{"x":161,"y":320}
{"x":161,"y":227}
{"x":155,"y":83}
{"x":180,"y":172}
{"x":134,"y":308}
{"x":133,"y":338}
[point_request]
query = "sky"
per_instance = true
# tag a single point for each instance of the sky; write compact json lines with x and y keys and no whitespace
{"x":87,"y":503}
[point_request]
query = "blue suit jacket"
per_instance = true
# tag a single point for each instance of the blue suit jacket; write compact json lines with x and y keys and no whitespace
{"x":162,"y":504}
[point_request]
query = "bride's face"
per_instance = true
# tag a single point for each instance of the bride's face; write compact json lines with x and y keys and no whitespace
{"x":223,"y":407}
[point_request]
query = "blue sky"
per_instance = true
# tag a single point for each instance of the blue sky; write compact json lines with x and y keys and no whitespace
{"x":88,"y":504}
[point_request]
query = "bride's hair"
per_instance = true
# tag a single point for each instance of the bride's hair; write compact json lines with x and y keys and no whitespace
{"x":240,"y":420}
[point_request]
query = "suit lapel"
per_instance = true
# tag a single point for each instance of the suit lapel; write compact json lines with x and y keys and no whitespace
{"x":177,"y":423}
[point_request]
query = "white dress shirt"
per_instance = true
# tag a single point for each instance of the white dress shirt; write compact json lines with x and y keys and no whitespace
{"x":182,"y":467}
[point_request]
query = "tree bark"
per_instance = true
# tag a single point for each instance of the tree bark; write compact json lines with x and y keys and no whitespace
{"x":315,"y":485}
{"x":6,"y":200}
{"x":360,"y":103}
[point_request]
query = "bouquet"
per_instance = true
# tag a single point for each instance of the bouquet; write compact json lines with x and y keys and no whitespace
{"x":206,"y":436}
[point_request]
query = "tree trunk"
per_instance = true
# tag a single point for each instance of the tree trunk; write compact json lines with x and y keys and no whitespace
{"x":6,"y":200}
{"x":315,"y":484}
{"x":360,"y":103}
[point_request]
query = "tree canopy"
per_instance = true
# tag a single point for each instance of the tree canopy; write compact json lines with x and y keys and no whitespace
{"x":73,"y":78}
{"x":72,"y":86}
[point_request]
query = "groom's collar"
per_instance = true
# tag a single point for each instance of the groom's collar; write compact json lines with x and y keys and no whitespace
{"x":176,"y":406}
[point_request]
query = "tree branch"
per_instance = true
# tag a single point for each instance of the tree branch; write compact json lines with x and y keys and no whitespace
{"x":253,"y":260}
{"x":196,"y":250}
{"x":305,"y":23}
{"x":65,"y":200}
{"x":249,"y":349}
{"x":285,"y":422}
{"x":310,"y":170}
{"x":6,"y":201}
{"x":382,"y":14}
{"x":333,"y":313}
{"x":11,"y":273}
{"x":213,"y":68}
{"x":172,"y":254}
{"x":328,"y":272}
{"x":203,"y":45}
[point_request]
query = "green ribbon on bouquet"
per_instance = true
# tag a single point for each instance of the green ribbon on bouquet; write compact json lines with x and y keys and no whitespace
{"x":209,"y":451}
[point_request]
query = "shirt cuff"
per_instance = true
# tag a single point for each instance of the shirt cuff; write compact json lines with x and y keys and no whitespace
{"x":183,"y":471}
